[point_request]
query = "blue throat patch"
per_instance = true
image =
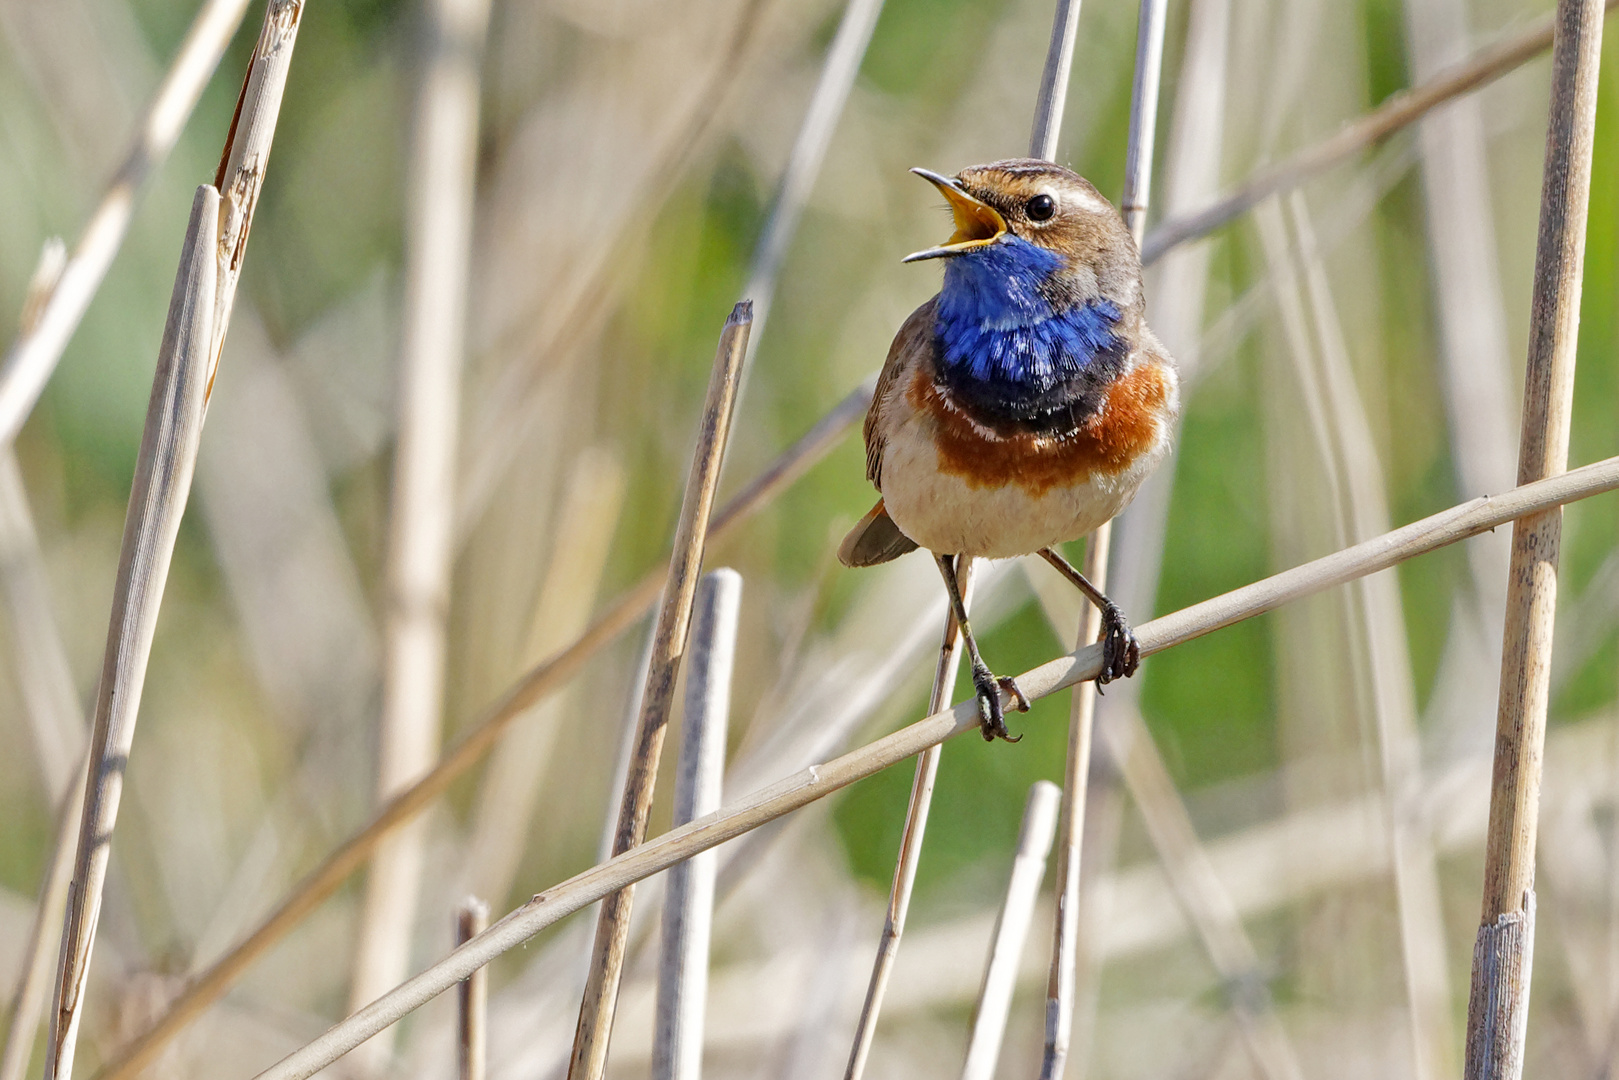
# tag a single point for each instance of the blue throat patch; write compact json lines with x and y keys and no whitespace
{"x":1001,"y":336}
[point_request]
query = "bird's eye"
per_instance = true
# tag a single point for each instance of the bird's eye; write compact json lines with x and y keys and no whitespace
{"x":1040,"y":208}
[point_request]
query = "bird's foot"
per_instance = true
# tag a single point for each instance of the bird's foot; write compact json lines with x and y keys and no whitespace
{"x":991,"y":717}
{"x":1121,"y":655}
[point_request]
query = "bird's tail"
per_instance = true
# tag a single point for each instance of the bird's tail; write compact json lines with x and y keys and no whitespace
{"x":875,"y":539}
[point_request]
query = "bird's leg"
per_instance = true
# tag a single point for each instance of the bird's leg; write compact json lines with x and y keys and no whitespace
{"x":1121,"y":655}
{"x":991,"y":719}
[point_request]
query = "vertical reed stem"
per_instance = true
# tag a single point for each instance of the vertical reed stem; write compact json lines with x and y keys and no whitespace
{"x":1498,"y":1008}
{"x":1082,"y":713}
{"x":910,"y":845}
{"x":589,"y":1058}
{"x":688,"y":912}
{"x":472,"y":997}
{"x":421,"y":522}
{"x":1012,"y":930}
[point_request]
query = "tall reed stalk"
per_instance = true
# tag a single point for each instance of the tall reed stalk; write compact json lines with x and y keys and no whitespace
{"x":589,"y":1057}
{"x":443,"y":172}
{"x":1498,"y":1008}
{"x":1060,"y":987}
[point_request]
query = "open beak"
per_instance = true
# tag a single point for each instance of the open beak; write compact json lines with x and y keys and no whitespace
{"x":977,"y":223}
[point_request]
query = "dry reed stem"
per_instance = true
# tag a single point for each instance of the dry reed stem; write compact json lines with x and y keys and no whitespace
{"x":800,"y":789}
{"x":421,"y":541}
{"x":1053,"y":96}
{"x":1397,"y":112}
{"x":472,"y":998}
{"x":911,"y":836}
{"x":545,"y":677}
{"x":589,"y":1057}
{"x":247,"y":153}
{"x":1060,"y":990}
{"x":1012,"y":930}
{"x":168,"y":455}
{"x":33,"y":356}
{"x":1499,"y":1003}
{"x":688,"y":912}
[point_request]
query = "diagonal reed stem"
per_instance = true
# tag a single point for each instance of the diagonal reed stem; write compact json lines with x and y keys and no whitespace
{"x":1398,"y":112}
{"x":33,"y":356}
{"x":1498,"y":1008}
{"x":1060,"y":988}
{"x":817,"y":781}
{"x":157,"y":501}
{"x":589,"y":1058}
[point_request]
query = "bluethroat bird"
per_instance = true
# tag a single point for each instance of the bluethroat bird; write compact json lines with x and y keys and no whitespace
{"x":1023,"y":405}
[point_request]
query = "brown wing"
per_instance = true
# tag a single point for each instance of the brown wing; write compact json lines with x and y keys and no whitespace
{"x":915,"y":336}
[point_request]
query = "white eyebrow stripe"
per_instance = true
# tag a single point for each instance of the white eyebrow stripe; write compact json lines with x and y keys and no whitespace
{"x":1090,"y":202}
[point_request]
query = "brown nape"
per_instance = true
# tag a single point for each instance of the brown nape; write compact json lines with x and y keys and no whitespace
{"x":1125,"y":427}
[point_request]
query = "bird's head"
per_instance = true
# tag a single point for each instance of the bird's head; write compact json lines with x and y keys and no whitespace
{"x":1024,"y":214}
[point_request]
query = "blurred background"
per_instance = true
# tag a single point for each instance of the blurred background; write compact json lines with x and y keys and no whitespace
{"x":1352,"y":356}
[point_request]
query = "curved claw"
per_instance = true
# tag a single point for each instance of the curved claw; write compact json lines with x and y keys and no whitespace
{"x":1121,"y":653}
{"x":991,"y":717}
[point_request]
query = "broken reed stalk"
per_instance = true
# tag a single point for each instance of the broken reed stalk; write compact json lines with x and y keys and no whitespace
{"x":1498,"y":1007}
{"x":472,"y":997}
{"x":792,"y":463}
{"x":168,"y":454}
{"x":1060,"y":987}
{"x":688,"y":910}
{"x":588,"y":1060}
{"x":247,"y":152}
{"x":1012,"y":930}
{"x":1047,"y":127}
{"x":33,"y":357}
{"x":817,"y":781}
{"x":1399,"y":111}
{"x":911,"y":835}
{"x":421,"y":545}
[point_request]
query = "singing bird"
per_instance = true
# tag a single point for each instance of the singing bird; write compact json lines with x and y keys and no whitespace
{"x":1023,"y":405}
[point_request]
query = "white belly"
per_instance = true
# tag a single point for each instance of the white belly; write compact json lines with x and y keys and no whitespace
{"x":944,"y":513}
